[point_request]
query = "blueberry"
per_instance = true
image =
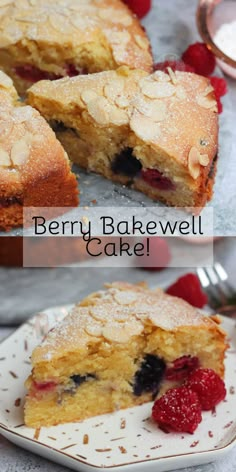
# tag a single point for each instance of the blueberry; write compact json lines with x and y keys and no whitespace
{"x":126,"y":163}
{"x":80,"y":379}
{"x":149,"y":376}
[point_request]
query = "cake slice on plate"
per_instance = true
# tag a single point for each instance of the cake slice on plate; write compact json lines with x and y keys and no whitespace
{"x":157,"y":133}
{"x":34,"y":168}
{"x":118,"y":348}
{"x":44,"y":39}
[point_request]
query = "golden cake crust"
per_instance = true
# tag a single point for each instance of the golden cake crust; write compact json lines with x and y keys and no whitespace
{"x":34,"y":168}
{"x":27,"y":27}
{"x":173,"y":114}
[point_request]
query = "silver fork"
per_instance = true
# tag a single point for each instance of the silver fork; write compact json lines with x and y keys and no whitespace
{"x":221,"y":295}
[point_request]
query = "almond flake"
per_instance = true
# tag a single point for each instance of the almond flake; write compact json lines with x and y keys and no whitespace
{"x":4,"y":158}
{"x":5,"y":129}
{"x":22,"y":114}
{"x":172,"y":75}
{"x":99,"y":313}
{"x":116,"y":16}
{"x":154,"y":109}
{"x":141,"y":42}
{"x":204,"y":159}
{"x":20,"y":152}
{"x":125,"y":298}
{"x":117,"y":116}
{"x":114,"y":89}
{"x":122,"y":102}
{"x":94,"y":329}
{"x":5,"y":81}
{"x":88,"y":95}
{"x":99,"y":110}
{"x":60,"y":23}
{"x":193,"y":163}
{"x":144,"y":127}
{"x":158,"y":90}
{"x":121,"y":333}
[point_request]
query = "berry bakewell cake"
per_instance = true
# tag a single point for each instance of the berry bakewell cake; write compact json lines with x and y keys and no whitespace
{"x":44,"y":39}
{"x":157,"y":133}
{"x":34,"y":168}
{"x":115,"y":350}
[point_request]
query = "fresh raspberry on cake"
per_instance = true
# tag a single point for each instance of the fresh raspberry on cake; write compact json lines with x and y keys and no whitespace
{"x":209,"y":387}
{"x":179,"y":410}
{"x":189,"y":288}
{"x":220,"y":87}
{"x":200,"y":58}
{"x":139,"y":7}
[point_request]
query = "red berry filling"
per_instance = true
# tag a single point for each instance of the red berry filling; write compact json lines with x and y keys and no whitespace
{"x":139,"y":7}
{"x":156,"y":179}
{"x":188,"y":288}
{"x":178,"y":410}
{"x":44,"y":386}
{"x":209,"y":387}
{"x":200,"y":58}
{"x":181,"y":368}
{"x":33,"y":74}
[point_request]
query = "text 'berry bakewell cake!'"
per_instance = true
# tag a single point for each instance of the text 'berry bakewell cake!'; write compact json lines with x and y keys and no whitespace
{"x":157,"y":133}
{"x":117,"y":349}
{"x":48,"y":39}
{"x":34,"y":168}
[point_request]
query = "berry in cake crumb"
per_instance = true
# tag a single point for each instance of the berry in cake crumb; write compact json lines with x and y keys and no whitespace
{"x":80,"y":379}
{"x":44,"y":386}
{"x":178,"y":409}
{"x":149,"y":376}
{"x":209,"y":387}
{"x":188,"y":288}
{"x":139,"y":7}
{"x":181,"y":368}
{"x":174,"y":65}
{"x":33,"y":74}
{"x":200,"y":58}
{"x":126,"y":164}
{"x":156,"y":179}
{"x":159,"y":255}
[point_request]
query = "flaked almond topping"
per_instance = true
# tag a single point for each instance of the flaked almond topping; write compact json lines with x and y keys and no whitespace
{"x":99,"y":313}
{"x":122,"y":102}
{"x":99,"y":110}
{"x":172,"y":75}
{"x":60,"y":23}
{"x":158,"y":90}
{"x":196,"y":159}
{"x":22,"y":114}
{"x":121,"y":333}
{"x":20,"y":152}
{"x":114,"y":89}
{"x":94,"y":329}
{"x":160,"y":76}
{"x":207,"y":102}
{"x":141,"y":42}
{"x":118,"y":38}
{"x":5,"y":3}
{"x":145,"y":128}
{"x":5,"y":128}
{"x":181,"y":93}
{"x":5,"y":81}
{"x":88,"y":95}
{"x":117,"y":116}
{"x":154,"y":109}
{"x":4,"y":158}
{"x":208,"y":90}
{"x":125,"y":297}
{"x":116,"y":16}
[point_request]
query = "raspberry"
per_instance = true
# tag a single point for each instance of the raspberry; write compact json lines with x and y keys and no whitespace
{"x":200,"y":58}
{"x":159,"y":255}
{"x":188,"y":288}
{"x":181,"y":368}
{"x":139,"y":7}
{"x":174,"y":65}
{"x":220,"y":86}
{"x":156,"y":179}
{"x":209,"y":387}
{"x":178,"y":410}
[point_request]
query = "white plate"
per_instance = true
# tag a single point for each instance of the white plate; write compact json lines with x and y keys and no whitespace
{"x":125,"y":440}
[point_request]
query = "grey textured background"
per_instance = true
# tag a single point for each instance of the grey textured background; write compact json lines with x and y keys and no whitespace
{"x":25,"y":291}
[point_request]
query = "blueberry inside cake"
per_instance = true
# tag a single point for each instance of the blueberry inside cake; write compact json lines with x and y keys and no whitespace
{"x":157,"y":133}
{"x":118,"y":348}
{"x":45,"y":39}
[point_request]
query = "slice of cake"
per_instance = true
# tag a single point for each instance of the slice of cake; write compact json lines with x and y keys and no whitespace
{"x":118,"y":348}
{"x":157,"y":133}
{"x":34,"y":168}
{"x":45,"y":39}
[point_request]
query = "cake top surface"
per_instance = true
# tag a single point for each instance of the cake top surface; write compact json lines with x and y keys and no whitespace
{"x":116,"y":315}
{"x":74,"y":23}
{"x":175,"y":112}
{"x":25,"y":137}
